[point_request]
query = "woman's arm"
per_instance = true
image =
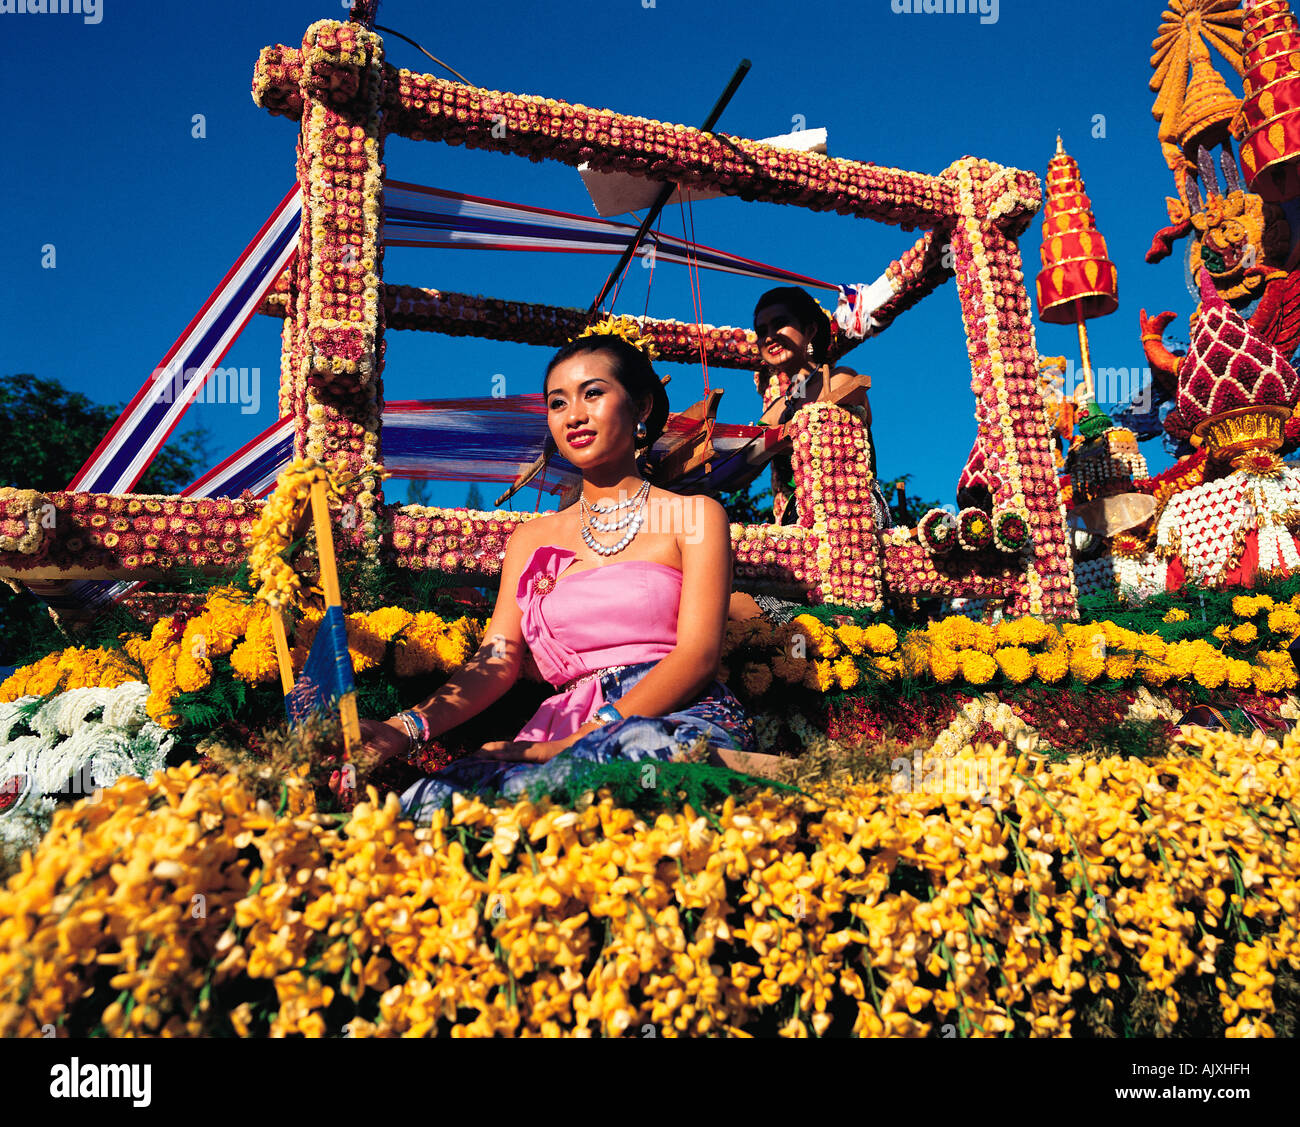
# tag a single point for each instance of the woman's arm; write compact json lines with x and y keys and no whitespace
{"x":489,"y":674}
{"x":482,"y":680}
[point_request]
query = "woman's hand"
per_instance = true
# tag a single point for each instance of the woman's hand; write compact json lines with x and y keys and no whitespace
{"x":526,"y":751}
{"x":521,"y":751}
{"x":380,"y":741}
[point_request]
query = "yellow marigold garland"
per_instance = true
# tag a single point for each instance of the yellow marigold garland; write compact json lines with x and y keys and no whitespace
{"x":76,"y":668}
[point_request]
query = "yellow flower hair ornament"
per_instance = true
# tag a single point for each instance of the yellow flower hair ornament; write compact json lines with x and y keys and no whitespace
{"x":625,"y":327}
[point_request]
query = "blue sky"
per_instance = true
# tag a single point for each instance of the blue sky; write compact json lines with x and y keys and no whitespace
{"x":146,"y":218}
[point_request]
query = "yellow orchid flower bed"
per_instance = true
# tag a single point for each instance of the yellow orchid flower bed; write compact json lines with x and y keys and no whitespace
{"x":1042,"y":901}
{"x":959,"y":651}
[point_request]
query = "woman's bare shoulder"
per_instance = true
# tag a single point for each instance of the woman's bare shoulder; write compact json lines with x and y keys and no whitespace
{"x":698,"y":505}
{"x":537,"y":531}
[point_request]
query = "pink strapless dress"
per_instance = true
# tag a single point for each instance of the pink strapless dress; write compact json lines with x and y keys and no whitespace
{"x":620,"y":613}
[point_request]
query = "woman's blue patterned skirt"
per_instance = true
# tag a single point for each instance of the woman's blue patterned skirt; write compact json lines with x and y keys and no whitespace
{"x":715,"y":715}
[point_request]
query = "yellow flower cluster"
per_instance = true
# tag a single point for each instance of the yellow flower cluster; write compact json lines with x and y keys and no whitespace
{"x":1280,"y":619}
{"x":988,"y":894}
{"x":75,"y":668}
{"x":1247,"y":606}
{"x":625,"y":327}
{"x":227,"y":624}
{"x":230,"y":624}
{"x":423,"y":642}
{"x":959,"y":650}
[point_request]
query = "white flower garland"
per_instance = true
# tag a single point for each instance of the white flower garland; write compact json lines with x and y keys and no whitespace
{"x":1206,"y":526}
{"x":64,"y":740}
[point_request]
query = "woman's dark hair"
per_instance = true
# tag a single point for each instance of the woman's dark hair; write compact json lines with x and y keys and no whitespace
{"x":632,"y":369}
{"x":802,"y":304}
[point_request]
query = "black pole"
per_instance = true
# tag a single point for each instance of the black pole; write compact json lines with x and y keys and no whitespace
{"x":667,"y":191}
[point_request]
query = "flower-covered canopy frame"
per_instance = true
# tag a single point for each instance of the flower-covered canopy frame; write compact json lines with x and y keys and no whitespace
{"x":335,"y":305}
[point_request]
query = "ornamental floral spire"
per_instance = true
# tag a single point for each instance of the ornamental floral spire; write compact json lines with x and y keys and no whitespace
{"x":1268,"y":125}
{"x":1078,"y":281}
{"x":1235,"y":390}
{"x":1183,"y":30}
{"x":1075,"y":263}
{"x":1208,"y":107}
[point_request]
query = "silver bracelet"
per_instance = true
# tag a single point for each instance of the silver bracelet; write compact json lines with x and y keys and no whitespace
{"x":416,"y":728}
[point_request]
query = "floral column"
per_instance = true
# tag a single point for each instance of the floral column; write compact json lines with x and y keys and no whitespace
{"x":1009,"y":410}
{"x":832,"y":480}
{"x":337,"y":339}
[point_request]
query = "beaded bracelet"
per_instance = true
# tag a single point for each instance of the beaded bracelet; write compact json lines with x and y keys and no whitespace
{"x":422,"y":752}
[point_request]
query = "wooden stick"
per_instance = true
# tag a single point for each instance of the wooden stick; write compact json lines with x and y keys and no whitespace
{"x":351,"y":724}
{"x":282,"y":654}
{"x":1083,"y":349}
{"x":329,"y":575}
{"x":329,"y":578}
{"x":666,"y":192}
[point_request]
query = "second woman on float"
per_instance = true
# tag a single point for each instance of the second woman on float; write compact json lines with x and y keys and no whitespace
{"x":794,"y":343}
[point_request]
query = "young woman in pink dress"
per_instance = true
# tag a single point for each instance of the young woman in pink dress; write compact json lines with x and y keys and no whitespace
{"x":622,"y":599}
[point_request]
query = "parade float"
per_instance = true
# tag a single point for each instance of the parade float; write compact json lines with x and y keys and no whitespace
{"x":1027,"y":767}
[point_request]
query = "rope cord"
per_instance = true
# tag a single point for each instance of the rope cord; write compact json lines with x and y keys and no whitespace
{"x":697,"y":301}
{"x":413,"y":43}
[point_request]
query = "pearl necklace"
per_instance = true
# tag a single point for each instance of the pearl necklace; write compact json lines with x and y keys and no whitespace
{"x":623,"y":521}
{"x":636,"y":518}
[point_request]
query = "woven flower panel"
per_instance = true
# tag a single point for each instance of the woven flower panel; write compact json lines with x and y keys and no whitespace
{"x":911,"y":570}
{"x":91,"y":535}
{"x":453,"y":540}
{"x":832,"y":474}
{"x":1229,"y":367}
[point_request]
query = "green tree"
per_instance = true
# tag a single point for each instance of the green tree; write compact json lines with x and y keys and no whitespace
{"x":744,"y":506}
{"x":49,"y":432}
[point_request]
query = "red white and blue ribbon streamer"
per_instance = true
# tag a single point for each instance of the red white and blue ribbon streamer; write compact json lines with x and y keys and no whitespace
{"x":122,"y":457}
{"x":415,"y":216}
{"x":252,"y":468}
{"x":479,"y":439}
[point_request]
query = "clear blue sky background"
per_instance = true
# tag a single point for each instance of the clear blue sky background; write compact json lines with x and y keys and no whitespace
{"x":100,"y":162}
